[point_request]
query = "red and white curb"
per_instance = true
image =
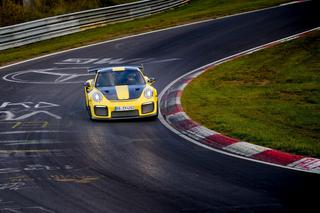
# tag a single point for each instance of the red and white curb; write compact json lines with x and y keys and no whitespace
{"x":173,"y":117}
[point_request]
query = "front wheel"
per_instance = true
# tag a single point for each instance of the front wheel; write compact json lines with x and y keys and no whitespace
{"x":154,"y":117}
{"x":89,"y":112}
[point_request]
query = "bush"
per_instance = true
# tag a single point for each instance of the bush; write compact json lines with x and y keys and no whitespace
{"x":12,"y":12}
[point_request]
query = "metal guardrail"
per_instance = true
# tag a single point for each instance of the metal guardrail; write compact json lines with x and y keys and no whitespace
{"x":43,"y":29}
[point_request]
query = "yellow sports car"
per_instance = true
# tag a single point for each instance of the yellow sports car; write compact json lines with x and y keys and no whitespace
{"x":120,"y":93}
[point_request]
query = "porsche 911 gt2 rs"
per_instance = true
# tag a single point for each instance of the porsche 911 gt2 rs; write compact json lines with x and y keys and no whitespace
{"x":120,"y":93}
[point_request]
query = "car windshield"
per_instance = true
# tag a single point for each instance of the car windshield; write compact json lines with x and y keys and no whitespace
{"x":117,"y":78}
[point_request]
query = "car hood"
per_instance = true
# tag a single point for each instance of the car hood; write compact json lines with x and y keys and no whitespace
{"x":124,"y":92}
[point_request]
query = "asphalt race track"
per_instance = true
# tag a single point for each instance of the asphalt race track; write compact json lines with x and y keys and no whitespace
{"x":54,"y":159}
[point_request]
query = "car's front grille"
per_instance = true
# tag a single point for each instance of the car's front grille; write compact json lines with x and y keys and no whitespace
{"x":101,"y":111}
{"x":123,"y":114}
{"x":147,"y":108}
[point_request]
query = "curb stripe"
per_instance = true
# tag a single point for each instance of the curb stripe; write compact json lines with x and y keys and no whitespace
{"x":220,"y":139}
{"x":245,"y":149}
{"x":307,"y":163}
{"x":277,"y":157}
{"x":174,"y":109}
{"x":173,"y":101}
{"x":179,"y":116}
{"x":202,"y":132}
{"x":185,"y":124}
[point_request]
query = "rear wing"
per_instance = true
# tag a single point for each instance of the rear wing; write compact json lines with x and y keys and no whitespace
{"x":141,"y":67}
{"x":96,"y":69}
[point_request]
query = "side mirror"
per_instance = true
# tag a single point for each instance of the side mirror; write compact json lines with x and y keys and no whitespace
{"x":88,"y":83}
{"x":151,"y":80}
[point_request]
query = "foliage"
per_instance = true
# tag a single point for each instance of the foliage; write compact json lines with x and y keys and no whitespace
{"x":13,"y":12}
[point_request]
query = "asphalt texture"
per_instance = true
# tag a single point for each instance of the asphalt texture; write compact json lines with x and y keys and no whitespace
{"x":53,"y":158}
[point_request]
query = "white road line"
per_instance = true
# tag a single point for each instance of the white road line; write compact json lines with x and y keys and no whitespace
{"x":33,"y":131}
{"x":28,"y":142}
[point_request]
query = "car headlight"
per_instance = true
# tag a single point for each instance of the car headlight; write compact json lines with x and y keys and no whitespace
{"x":97,"y":96}
{"x":148,"y":93}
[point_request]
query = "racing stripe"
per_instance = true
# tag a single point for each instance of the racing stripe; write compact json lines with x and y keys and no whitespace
{"x":122,"y":92}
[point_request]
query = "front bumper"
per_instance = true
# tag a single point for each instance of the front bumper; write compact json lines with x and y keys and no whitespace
{"x":138,"y":109}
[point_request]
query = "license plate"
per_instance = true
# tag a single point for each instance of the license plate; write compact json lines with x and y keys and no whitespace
{"x":124,"y":108}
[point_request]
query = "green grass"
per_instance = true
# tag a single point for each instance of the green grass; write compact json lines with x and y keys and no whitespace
{"x":270,"y":98}
{"x":194,"y":11}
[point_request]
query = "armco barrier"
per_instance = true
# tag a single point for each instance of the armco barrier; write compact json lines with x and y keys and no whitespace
{"x":42,"y":29}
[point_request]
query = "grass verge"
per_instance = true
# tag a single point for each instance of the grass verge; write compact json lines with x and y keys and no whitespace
{"x":270,"y":98}
{"x":194,"y":11}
